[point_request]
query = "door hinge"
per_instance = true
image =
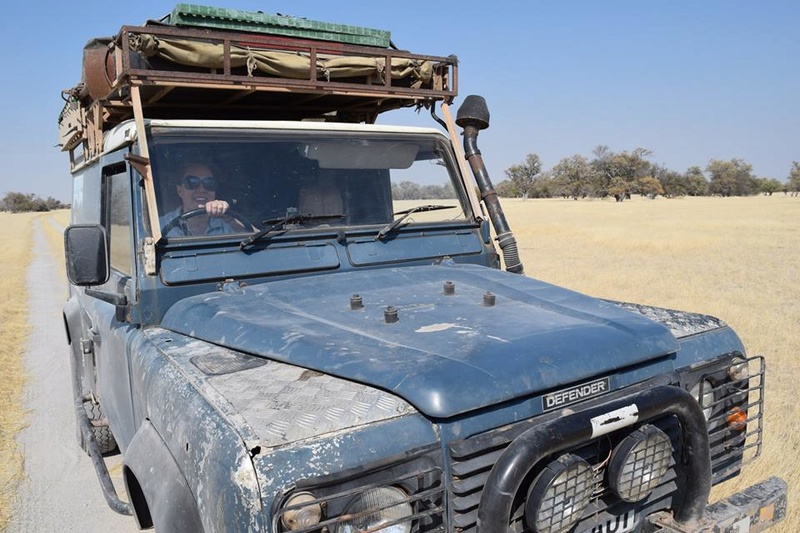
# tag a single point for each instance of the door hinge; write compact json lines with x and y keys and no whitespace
{"x":149,"y":249}
{"x":87,"y":346}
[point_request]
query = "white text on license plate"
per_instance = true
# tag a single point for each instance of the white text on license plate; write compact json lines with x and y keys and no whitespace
{"x":619,"y":524}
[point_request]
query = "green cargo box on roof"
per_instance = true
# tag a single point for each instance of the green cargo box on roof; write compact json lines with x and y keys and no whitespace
{"x":253,"y":21}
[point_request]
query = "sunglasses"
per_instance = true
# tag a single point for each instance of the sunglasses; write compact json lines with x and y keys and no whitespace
{"x":192,"y":182}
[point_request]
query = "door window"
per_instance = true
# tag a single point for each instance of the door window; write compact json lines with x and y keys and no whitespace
{"x":117,"y":216}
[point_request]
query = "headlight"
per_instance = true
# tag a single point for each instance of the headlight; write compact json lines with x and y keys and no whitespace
{"x":739,"y":370}
{"x":301,"y":511}
{"x":559,"y":495}
{"x":375,"y":508}
{"x":706,"y":401}
{"x":639,"y":462}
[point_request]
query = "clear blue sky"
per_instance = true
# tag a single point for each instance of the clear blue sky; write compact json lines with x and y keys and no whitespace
{"x":691,"y":81}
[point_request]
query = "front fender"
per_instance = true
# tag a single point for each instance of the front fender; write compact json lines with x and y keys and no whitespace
{"x":160,"y":495}
{"x":72,"y":329}
{"x":196,"y":429}
{"x":71,"y":315}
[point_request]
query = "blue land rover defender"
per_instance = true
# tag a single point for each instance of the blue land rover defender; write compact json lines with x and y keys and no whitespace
{"x":288,"y":318}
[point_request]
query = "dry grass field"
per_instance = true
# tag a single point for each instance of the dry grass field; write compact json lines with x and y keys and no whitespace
{"x":15,"y":234}
{"x":734,"y":258}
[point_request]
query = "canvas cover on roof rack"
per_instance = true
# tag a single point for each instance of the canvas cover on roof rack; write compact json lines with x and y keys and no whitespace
{"x":281,"y":64}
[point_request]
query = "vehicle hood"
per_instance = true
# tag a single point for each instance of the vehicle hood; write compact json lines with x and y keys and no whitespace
{"x":446,"y":354}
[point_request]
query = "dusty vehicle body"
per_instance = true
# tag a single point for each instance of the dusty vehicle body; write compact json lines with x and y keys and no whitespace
{"x":347,"y":363}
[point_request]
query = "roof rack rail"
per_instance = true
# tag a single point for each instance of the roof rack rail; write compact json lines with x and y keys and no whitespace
{"x":203,"y":73}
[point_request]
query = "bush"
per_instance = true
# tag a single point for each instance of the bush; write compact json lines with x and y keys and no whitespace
{"x":17,"y":202}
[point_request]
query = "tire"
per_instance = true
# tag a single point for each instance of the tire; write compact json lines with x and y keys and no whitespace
{"x":102,"y":433}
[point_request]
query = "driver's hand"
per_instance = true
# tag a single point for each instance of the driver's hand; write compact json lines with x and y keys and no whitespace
{"x":216,"y":208}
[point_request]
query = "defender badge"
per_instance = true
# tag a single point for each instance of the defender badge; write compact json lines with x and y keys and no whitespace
{"x":565,"y":397}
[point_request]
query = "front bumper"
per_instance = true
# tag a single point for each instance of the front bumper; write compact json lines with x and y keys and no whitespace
{"x":754,"y":509}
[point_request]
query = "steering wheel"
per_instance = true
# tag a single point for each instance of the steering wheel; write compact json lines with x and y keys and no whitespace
{"x":175,"y":222}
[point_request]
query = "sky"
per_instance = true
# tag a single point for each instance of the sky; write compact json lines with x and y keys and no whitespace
{"x":690,"y":81}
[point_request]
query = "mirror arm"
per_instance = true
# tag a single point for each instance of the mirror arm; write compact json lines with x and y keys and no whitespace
{"x":119,"y":301}
{"x":108,"y":297}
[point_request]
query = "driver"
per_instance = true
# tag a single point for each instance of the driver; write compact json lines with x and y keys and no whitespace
{"x":197,"y":189}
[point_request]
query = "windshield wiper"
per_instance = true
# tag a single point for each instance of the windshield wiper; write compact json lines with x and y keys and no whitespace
{"x":275,"y":224}
{"x":388,"y":228}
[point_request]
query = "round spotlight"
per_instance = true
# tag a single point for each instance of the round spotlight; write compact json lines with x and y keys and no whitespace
{"x":639,"y":462}
{"x":559,"y":495}
{"x":300,"y":512}
{"x":375,"y":508}
{"x":706,"y":401}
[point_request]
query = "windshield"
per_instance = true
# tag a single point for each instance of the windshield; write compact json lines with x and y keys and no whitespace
{"x":215,"y":181}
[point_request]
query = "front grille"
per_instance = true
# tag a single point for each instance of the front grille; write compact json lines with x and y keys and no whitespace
{"x":471,"y":466}
{"x":735,"y":427}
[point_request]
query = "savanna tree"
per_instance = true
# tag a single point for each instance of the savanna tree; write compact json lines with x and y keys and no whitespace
{"x":731,"y":178}
{"x":618,"y":173}
{"x":695,"y":182}
{"x":650,"y":186}
{"x":768,"y":186}
{"x":573,"y":176}
{"x":674,"y":183}
{"x":18,"y":202}
{"x":524,"y":177}
{"x":793,"y":182}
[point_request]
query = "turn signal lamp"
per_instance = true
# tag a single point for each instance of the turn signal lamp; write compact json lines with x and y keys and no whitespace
{"x":737,"y":419}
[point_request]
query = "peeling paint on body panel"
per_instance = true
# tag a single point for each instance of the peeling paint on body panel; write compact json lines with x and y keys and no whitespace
{"x":435,"y":327}
{"x":680,"y":323}
{"x":244,"y":476}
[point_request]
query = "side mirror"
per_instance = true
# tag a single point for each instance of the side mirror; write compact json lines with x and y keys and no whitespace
{"x":86,"y":252}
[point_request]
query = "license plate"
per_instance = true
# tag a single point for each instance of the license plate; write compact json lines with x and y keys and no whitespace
{"x":618,"y":524}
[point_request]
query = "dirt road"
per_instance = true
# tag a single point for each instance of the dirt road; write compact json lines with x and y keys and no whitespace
{"x":60,"y":491}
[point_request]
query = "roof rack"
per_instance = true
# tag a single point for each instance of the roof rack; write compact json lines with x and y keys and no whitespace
{"x":200,"y":73}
